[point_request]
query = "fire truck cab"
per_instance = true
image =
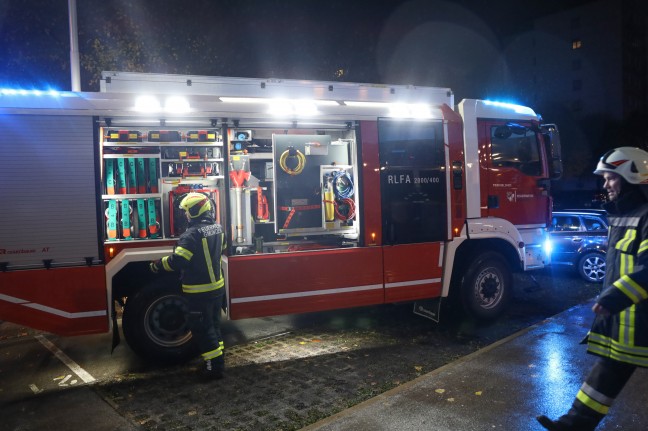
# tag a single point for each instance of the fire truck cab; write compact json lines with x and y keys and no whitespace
{"x":333,"y":195}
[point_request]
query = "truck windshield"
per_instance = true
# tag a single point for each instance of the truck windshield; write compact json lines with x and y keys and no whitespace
{"x":515,"y":146}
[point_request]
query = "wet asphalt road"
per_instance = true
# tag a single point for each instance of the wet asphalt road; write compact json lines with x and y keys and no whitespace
{"x":282,"y":373}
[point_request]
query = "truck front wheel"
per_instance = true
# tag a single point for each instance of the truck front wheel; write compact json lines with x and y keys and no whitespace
{"x":155,"y":323}
{"x":486,"y":286}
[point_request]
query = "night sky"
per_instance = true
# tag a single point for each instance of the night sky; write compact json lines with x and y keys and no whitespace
{"x":455,"y":44}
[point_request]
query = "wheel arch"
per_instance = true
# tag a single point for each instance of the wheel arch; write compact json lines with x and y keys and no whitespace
{"x":586,"y":250}
{"x":472,"y":248}
{"x":129,"y":271}
{"x":467,"y":250}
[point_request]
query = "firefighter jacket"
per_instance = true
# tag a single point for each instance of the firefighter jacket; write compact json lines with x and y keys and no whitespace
{"x":198,"y":257}
{"x":623,"y":335}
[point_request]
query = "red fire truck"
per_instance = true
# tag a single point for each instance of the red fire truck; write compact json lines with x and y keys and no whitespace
{"x":333,"y":195}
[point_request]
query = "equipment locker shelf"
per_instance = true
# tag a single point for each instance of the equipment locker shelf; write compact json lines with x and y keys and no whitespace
{"x":142,"y":168}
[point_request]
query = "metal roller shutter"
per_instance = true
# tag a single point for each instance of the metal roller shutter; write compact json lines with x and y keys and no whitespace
{"x":47,"y":191}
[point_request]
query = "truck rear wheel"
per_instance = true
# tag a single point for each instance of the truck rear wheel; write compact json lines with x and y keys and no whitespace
{"x":486,"y":286}
{"x":155,"y":323}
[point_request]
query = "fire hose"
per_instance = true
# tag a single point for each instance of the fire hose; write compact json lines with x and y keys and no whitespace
{"x":292,"y":153}
{"x":342,"y":184}
{"x":342,"y":188}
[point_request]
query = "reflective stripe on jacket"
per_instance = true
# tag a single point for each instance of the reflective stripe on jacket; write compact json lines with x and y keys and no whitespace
{"x":623,"y":336}
{"x":198,"y":257}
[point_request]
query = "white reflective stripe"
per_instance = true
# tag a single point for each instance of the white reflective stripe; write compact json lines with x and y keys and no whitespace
{"x":305,"y":294}
{"x":413,"y":282}
{"x":12,"y":299}
{"x":213,"y":354}
{"x":50,"y":310}
{"x":441,"y":255}
{"x":623,"y":221}
{"x":596,"y":395}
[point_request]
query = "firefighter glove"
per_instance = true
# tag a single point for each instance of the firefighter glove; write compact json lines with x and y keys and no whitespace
{"x":154,"y":267}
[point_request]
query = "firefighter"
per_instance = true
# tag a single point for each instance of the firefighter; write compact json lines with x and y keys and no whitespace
{"x":619,"y":333}
{"x":198,"y":258}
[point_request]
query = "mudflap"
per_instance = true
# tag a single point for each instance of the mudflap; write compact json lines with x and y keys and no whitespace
{"x":115,"y":336}
{"x":428,"y":308}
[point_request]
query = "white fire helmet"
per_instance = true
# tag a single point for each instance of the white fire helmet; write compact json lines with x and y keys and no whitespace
{"x":629,"y":162}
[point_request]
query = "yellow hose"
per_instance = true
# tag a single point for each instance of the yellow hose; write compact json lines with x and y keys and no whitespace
{"x":301,"y":162}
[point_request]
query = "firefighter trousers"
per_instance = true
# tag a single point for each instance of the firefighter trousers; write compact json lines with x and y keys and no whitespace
{"x":204,"y":322}
{"x":605,"y":381}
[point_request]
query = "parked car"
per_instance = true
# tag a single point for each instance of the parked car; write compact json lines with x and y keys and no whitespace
{"x":579,"y":239}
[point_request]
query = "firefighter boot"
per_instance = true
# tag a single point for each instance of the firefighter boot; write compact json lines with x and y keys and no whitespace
{"x":567,"y":423}
{"x":214,"y":368}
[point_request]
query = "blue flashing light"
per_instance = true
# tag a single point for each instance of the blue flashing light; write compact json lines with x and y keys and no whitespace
{"x":517,"y":108}
{"x":24,"y":92}
{"x":548,"y":246}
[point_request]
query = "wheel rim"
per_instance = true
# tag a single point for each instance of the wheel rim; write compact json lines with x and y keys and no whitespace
{"x":594,"y":268}
{"x":165,"y":321}
{"x":488,"y":288}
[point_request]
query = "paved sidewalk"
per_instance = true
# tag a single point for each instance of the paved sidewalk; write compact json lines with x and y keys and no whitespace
{"x":501,"y":387}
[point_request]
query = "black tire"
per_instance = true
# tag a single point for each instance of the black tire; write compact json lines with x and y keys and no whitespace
{"x":591,"y":267}
{"x":155,"y":323}
{"x":486,"y":286}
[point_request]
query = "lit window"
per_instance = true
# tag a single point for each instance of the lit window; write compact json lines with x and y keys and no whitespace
{"x":577,"y":44}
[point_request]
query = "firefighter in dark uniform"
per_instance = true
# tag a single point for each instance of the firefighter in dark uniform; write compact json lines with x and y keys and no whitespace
{"x":197,"y":256}
{"x":619,"y":334}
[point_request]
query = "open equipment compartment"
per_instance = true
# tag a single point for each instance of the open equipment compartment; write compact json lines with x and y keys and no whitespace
{"x":298,"y":199}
